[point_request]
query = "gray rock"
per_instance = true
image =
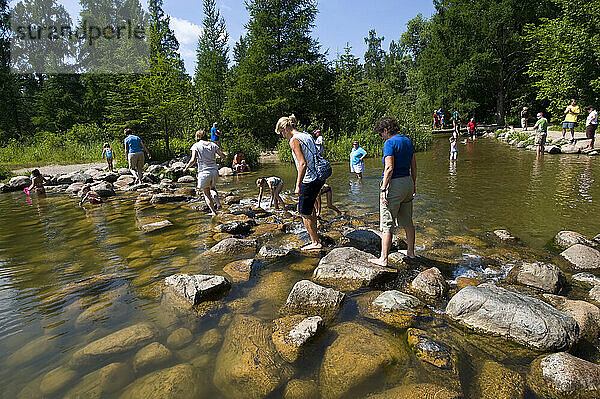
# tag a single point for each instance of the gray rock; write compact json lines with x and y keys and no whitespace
{"x":125,"y":180}
{"x":582,"y":257}
{"x":585,"y":314}
{"x":186,"y":179}
{"x":225,"y":171}
{"x":365,"y":240}
{"x":178,"y":165}
{"x":305,"y":330}
{"x":521,"y":318}
{"x":569,"y":149}
{"x":110,"y":177}
{"x":235,"y":246}
{"x":156,"y":226}
{"x":104,"y":189}
{"x":587,"y":278}
{"x":594,"y":293}
{"x":349,"y":268}
{"x":124,"y":171}
{"x":567,"y":239}
{"x":5,"y":188}
{"x":430,"y":283}
{"x":82,"y":178}
{"x":504,"y":235}
{"x":150,"y":178}
{"x":291,"y":333}
{"x":306,"y":295}
{"x":164,"y":198}
{"x":236,"y":227}
{"x":19,"y":182}
{"x":270,"y":252}
{"x":119,"y":342}
{"x":64,"y":179}
{"x":75,"y":188}
{"x":155,"y":169}
{"x":540,"y":275}
{"x":552,"y":149}
{"x":197,"y":288}
{"x":390,"y":301}
{"x":562,"y":375}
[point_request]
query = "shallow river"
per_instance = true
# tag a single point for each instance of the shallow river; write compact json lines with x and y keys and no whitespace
{"x":48,"y":246}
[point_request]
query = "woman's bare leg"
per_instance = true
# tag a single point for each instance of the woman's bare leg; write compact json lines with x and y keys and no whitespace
{"x":310,"y":223}
{"x":209,"y":200}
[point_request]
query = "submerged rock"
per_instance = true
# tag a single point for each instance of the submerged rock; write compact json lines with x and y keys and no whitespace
{"x":248,"y":365}
{"x":235,"y":246}
{"x":197,"y":288}
{"x":582,"y":257}
{"x":349,"y":268}
{"x":355,"y":360}
{"x":164,"y":198}
{"x":417,"y":391}
{"x":156,"y":226}
{"x":301,"y":389}
{"x":102,"y":383}
{"x":521,"y":318}
{"x":504,"y":235}
{"x":119,"y":342}
{"x":567,"y":239}
{"x":497,"y":382}
{"x":241,"y":270}
{"x":307,"y":296}
{"x":57,"y":380}
{"x":564,"y":376}
{"x":430,"y":283}
{"x":292,"y":333}
{"x":179,"y":338}
{"x":430,"y":351}
{"x":540,"y":275}
{"x":270,"y":252}
{"x":150,"y":356}
{"x":392,"y":307}
{"x":177,"y":382}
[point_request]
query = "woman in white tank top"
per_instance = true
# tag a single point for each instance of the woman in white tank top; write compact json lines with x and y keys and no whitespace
{"x":308,"y":185}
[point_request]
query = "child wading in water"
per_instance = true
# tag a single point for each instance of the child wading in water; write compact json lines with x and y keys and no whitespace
{"x":89,"y":195}
{"x":107,"y":153}
{"x":37,"y":183}
{"x":453,"y":148}
{"x":275,"y":185}
{"x":329,"y":195}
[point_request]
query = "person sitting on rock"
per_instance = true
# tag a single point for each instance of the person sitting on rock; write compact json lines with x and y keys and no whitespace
{"x":87,"y":194}
{"x":275,"y":185}
{"x":326,"y":189}
{"x":239,"y":163}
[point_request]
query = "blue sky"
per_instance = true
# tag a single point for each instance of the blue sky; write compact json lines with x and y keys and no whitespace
{"x":338,"y":22}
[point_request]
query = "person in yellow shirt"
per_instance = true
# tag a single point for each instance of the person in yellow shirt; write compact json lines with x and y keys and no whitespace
{"x":571,"y":113}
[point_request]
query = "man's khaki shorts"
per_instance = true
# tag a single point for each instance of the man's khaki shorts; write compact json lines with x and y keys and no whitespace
{"x":398,"y":211}
{"x":136,"y":160}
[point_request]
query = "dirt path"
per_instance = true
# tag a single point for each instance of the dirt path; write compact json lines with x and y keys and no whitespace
{"x":61,"y":169}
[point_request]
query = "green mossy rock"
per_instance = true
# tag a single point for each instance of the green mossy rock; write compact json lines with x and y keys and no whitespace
{"x":498,"y":382}
{"x":177,"y":382}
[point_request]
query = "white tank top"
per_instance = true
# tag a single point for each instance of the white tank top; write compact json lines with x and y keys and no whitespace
{"x":309,"y":149}
{"x":205,"y":155}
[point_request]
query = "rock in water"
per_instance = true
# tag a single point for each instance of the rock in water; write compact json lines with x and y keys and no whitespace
{"x":156,"y":226}
{"x":176,"y":382}
{"x":504,"y":235}
{"x":56,"y":380}
{"x":235,"y":246}
{"x":540,"y":275}
{"x":567,"y":239}
{"x":587,"y":278}
{"x":569,"y":149}
{"x":197,"y":288}
{"x":392,"y":307}
{"x":186,"y":179}
{"x":103,"y":189}
{"x":417,"y":391}
{"x":248,"y":365}
{"x":119,"y":342}
{"x":430,"y":351}
{"x":497,"y":382}
{"x":307,"y":296}
{"x":236,"y":227}
{"x":356,"y":357}
{"x":270,"y":252}
{"x":151,"y":356}
{"x":430,"y":283}
{"x":179,"y":338}
{"x":293,"y":332}
{"x":562,"y":375}
{"x":349,"y":268}
{"x":19,"y":182}
{"x":164,"y":198}
{"x":102,"y":383}
{"x":225,"y":171}
{"x":582,"y":257}
{"x":365,"y":240}
{"x":241,"y":270}
{"x":521,"y":318}
{"x":585,"y":314}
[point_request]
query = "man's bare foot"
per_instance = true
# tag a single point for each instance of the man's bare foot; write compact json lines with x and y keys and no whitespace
{"x":378,"y":262}
{"x":312,"y":247}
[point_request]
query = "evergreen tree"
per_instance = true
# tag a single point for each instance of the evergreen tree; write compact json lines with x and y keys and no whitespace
{"x":210,"y":80}
{"x":374,"y":57}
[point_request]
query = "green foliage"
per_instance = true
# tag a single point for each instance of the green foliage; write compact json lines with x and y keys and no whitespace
{"x":5,"y":174}
{"x":241,"y":142}
{"x":83,"y":133}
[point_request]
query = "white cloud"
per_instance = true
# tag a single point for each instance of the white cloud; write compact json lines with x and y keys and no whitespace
{"x":186,"y":32}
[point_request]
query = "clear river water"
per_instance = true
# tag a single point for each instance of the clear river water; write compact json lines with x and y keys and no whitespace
{"x":48,"y":247}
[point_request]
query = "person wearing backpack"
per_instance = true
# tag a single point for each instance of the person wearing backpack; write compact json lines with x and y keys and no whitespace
{"x":312,"y":169}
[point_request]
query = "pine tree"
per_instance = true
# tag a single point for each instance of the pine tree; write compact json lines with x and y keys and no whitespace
{"x":374,"y":57}
{"x":210,"y":80}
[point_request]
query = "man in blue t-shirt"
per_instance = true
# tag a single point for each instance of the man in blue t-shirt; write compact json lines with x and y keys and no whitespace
{"x":214,"y":135}
{"x":135,"y":148}
{"x":398,"y":188}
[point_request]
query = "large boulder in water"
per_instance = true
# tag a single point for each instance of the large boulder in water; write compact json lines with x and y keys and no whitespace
{"x":543,"y":276}
{"x":197,"y":288}
{"x":177,"y":382}
{"x":430,"y":284}
{"x":582,"y":257}
{"x":19,"y":182}
{"x":102,"y":383}
{"x":125,"y":340}
{"x":567,"y":239}
{"x":349,"y":268}
{"x":524,"y":319}
{"x":248,"y":365}
{"x":235,"y":246}
{"x":355,"y":360}
{"x":365,"y":240}
{"x":585,"y":314}
{"x":307,"y":297}
{"x":564,"y":376}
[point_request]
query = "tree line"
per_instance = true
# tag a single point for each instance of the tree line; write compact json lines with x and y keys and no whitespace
{"x":486,"y":58}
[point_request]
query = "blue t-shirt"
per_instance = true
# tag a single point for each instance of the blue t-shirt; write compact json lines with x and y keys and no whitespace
{"x":108,"y":154}
{"x":356,"y":155}
{"x":402,"y":149}
{"x":213,"y":134}
{"x":134,"y":143}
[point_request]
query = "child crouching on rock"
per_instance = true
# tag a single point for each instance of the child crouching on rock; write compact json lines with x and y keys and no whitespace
{"x":37,"y":183}
{"x":89,"y":195}
{"x":275,"y":185}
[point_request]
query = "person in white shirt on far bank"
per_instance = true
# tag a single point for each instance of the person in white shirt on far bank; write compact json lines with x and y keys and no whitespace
{"x":591,"y":124}
{"x":319,"y":142}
